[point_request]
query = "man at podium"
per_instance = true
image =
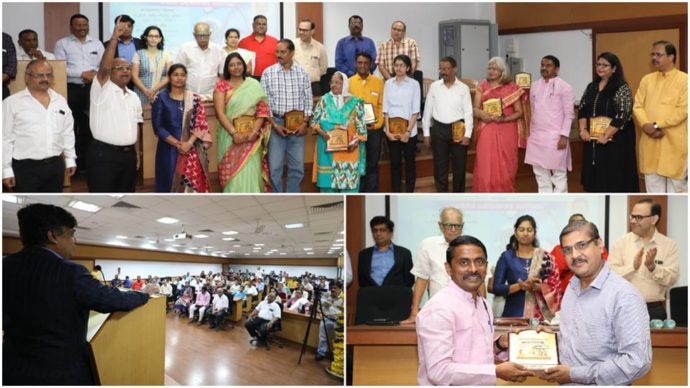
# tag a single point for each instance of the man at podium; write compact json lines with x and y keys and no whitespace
{"x":46,"y":302}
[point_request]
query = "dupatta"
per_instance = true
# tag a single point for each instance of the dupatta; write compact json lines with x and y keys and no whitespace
{"x":191,"y":171}
{"x":543,"y":303}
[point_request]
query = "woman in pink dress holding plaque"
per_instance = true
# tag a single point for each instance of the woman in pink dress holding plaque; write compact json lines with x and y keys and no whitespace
{"x":496,"y":161}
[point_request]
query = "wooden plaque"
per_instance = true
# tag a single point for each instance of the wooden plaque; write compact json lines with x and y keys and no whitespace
{"x":293,"y":120}
{"x":493,"y":106}
{"x":598,"y":126}
{"x":534,"y":351}
{"x":523,"y":80}
{"x":244,"y":124}
{"x":458,"y":131}
{"x":337,"y":140}
{"x":398,"y":126}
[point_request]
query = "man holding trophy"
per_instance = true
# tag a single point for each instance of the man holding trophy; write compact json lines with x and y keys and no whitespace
{"x":447,"y":125}
{"x":461,"y":313}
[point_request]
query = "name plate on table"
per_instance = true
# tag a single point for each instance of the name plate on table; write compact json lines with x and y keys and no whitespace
{"x":293,"y":120}
{"x":369,"y":116}
{"x":493,"y":106}
{"x":244,"y":124}
{"x":523,"y":80}
{"x":534,"y":351}
{"x":458,"y":131}
{"x":598,"y":126}
{"x":398,"y":126}
{"x":337,"y":140}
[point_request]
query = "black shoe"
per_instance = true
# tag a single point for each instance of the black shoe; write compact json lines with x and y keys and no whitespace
{"x":319,"y":357}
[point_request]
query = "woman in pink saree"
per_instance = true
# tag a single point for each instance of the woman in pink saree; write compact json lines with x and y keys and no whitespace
{"x":496,"y":161}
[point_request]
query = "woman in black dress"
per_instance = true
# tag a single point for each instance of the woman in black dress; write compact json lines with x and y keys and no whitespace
{"x":609,"y":163}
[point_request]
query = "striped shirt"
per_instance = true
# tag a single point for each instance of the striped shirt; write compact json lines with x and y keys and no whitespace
{"x":287,"y":90}
{"x":604,"y":332}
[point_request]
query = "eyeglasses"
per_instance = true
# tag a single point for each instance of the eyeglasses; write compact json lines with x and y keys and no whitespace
{"x":580,"y":246}
{"x":638,"y":217}
{"x":398,"y":29}
{"x":478,"y":262}
{"x":122,"y":68}
{"x":657,"y":55}
{"x":303,"y":30}
{"x":202,"y":36}
{"x":154,"y":36}
{"x":41,"y":75}
{"x":602,"y":65}
{"x":451,"y":226}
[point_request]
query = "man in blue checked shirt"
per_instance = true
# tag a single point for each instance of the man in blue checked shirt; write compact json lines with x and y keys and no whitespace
{"x":604,"y":334}
{"x":288,"y":89}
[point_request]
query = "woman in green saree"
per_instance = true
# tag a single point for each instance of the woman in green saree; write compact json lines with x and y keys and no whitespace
{"x":339,"y":171}
{"x":242,"y":161}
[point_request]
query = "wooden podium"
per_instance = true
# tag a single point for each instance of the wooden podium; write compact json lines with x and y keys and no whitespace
{"x":129,"y":347}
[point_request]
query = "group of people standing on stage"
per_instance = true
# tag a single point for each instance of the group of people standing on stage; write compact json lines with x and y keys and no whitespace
{"x":267,"y":84}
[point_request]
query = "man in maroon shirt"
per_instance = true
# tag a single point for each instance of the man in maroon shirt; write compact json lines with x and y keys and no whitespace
{"x":262,"y":44}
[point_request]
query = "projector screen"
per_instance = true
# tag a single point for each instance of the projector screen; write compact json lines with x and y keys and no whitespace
{"x":177,"y":20}
{"x":490,"y":218}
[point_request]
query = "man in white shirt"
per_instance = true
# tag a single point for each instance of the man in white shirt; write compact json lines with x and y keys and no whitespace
{"x":36,"y":130}
{"x":262,"y":319}
{"x":219,"y":308}
{"x":448,"y":103}
{"x":311,"y":55}
{"x":429,"y":263}
{"x":115,"y":118}
{"x":202,"y":58}
{"x":28,"y":42}
{"x":251,"y":290}
{"x":82,"y":54}
{"x":166,"y":288}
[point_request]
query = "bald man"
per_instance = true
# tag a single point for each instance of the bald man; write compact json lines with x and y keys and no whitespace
{"x":201,"y":58}
{"x":429,"y":263}
{"x":36,"y":131}
{"x":116,"y":117}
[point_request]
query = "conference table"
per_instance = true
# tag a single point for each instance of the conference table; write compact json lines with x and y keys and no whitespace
{"x":387,"y":355}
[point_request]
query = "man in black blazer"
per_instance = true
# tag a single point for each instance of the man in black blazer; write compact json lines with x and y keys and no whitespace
{"x":46,"y":301}
{"x":384,"y":264}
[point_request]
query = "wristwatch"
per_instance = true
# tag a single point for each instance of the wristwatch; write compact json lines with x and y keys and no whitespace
{"x":498,"y":345}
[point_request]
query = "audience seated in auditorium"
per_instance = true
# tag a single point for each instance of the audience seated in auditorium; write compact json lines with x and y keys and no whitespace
{"x":203,"y":299}
{"x":116,"y":282}
{"x":297,"y":302}
{"x":184,"y":301}
{"x":138,"y":284}
{"x":262,"y":320}
{"x":219,"y":308}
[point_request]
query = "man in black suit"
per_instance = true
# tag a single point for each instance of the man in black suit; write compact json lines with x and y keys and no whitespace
{"x":46,"y":301}
{"x":384,"y":264}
